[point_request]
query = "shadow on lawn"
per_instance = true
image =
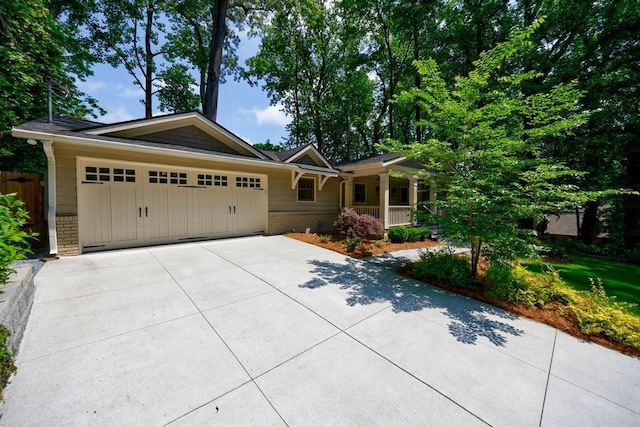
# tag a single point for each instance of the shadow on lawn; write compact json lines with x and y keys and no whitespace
{"x":368,"y":284}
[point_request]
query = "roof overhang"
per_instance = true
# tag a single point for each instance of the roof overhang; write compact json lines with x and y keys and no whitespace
{"x":140,"y":127}
{"x":105,"y":143}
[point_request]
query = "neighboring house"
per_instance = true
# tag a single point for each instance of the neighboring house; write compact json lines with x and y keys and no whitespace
{"x":183,"y":177}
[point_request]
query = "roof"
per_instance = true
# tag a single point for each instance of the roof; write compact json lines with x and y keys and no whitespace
{"x":130,"y":135}
{"x":379,"y":159}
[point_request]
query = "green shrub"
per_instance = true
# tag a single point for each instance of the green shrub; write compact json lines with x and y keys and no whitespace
{"x":513,"y":282}
{"x":324,"y":238}
{"x":14,"y":244}
{"x":398,"y":234}
{"x":415,"y":234}
{"x":353,"y":242}
{"x":444,"y":266}
{"x":7,"y":367}
{"x":599,"y":314}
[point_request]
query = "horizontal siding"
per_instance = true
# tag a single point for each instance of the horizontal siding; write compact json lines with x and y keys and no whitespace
{"x":280,"y":195}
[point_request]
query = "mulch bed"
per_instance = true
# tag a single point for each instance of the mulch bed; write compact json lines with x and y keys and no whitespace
{"x":368,"y":248}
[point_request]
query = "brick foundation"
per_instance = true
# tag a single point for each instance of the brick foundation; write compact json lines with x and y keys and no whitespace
{"x":317,"y":222}
{"x":67,"y":231}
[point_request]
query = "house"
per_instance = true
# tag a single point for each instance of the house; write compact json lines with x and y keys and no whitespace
{"x":183,"y":177}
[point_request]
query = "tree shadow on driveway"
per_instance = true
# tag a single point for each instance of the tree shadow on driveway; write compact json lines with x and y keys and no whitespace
{"x":367,"y":283}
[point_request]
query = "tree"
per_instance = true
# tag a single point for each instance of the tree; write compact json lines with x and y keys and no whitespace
{"x":308,"y":62}
{"x":484,"y":141}
{"x":203,"y":35}
{"x":128,"y":33}
{"x":37,"y":50}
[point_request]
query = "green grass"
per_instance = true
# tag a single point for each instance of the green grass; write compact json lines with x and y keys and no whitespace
{"x":619,"y":279}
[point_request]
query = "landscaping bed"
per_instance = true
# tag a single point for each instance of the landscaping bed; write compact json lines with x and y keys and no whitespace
{"x":367,"y":248}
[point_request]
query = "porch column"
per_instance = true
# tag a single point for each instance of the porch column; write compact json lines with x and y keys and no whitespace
{"x":413,"y":193}
{"x":348,"y":192}
{"x":384,"y":199}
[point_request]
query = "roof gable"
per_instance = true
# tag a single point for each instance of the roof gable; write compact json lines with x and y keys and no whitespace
{"x":190,"y":129}
{"x":307,"y":155}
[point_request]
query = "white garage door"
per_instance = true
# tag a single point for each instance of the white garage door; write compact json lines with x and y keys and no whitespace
{"x":126,"y":204}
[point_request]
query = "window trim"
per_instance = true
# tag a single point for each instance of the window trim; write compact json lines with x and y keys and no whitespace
{"x":313,"y":188}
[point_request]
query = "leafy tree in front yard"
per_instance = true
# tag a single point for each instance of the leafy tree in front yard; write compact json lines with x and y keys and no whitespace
{"x":484,"y":139}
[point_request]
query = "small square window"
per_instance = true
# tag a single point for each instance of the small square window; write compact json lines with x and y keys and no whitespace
{"x":91,"y":169}
{"x":104,"y":170}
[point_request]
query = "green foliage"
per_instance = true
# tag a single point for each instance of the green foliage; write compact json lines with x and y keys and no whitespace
{"x":599,"y":314}
{"x":353,"y":242}
{"x":36,"y":48}
{"x":443,"y":266}
{"x":176,"y":94}
{"x":408,"y":234}
{"x":416,"y":234}
{"x":595,"y":312}
{"x":309,"y":63}
{"x":324,"y":238}
{"x":512,"y":282}
{"x":486,"y":136}
{"x":398,"y":234}
{"x":7,"y":367}
{"x":14,"y":244}
{"x":268,"y":146}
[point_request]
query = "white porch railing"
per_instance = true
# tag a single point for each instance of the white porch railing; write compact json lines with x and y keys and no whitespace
{"x":374,"y":211}
{"x":400,"y":215}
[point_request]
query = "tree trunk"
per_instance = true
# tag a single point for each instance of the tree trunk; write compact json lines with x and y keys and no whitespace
{"x":148,"y":76}
{"x":631,"y":219}
{"x":476,"y":247}
{"x":589,"y":221}
{"x":219,"y":18}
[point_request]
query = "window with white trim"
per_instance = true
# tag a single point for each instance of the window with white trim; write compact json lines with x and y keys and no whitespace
{"x":359,"y":192}
{"x":307,"y":190}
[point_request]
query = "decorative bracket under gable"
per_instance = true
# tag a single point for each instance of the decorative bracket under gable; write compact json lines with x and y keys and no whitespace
{"x":323,"y":181}
{"x":295,"y":177}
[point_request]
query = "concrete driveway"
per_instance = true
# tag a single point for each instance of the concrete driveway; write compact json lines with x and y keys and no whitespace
{"x":272,"y":331}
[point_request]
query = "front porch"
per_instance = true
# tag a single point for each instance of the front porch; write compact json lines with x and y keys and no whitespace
{"x":369,"y":188}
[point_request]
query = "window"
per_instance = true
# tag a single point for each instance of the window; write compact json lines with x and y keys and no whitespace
{"x":307,"y":190}
{"x":359,"y":193}
{"x":104,"y":174}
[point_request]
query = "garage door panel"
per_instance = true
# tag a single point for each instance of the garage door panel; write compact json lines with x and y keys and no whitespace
{"x":125,"y":214}
{"x":132,"y":205}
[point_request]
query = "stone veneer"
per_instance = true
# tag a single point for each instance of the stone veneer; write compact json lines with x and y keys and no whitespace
{"x":317,"y":222}
{"x":67,"y":230}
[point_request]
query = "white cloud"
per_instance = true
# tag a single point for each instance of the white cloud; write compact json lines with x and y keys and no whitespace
{"x":130,"y":91}
{"x":272,"y":115}
{"x":118,"y":114}
{"x":90,"y":86}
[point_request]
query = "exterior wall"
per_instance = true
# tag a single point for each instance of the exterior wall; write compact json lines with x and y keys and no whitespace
{"x":316,"y":222}
{"x":67,"y":230}
{"x":284,"y":211}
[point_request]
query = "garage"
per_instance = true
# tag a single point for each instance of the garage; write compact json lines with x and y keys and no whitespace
{"x":125,"y":204}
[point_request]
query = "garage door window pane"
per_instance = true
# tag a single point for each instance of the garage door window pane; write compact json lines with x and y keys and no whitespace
{"x":306,"y":190}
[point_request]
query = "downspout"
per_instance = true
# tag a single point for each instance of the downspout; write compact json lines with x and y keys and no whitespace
{"x":51,"y":197}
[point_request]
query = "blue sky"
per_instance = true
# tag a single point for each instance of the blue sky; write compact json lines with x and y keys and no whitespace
{"x":242,"y":109}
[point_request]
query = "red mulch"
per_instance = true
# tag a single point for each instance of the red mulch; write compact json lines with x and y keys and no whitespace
{"x":367,"y":249}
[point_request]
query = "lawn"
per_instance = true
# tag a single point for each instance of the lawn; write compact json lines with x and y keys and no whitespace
{"x":619,"y":279}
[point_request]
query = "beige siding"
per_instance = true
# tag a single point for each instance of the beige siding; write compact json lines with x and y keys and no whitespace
{"x":281,"y":197}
